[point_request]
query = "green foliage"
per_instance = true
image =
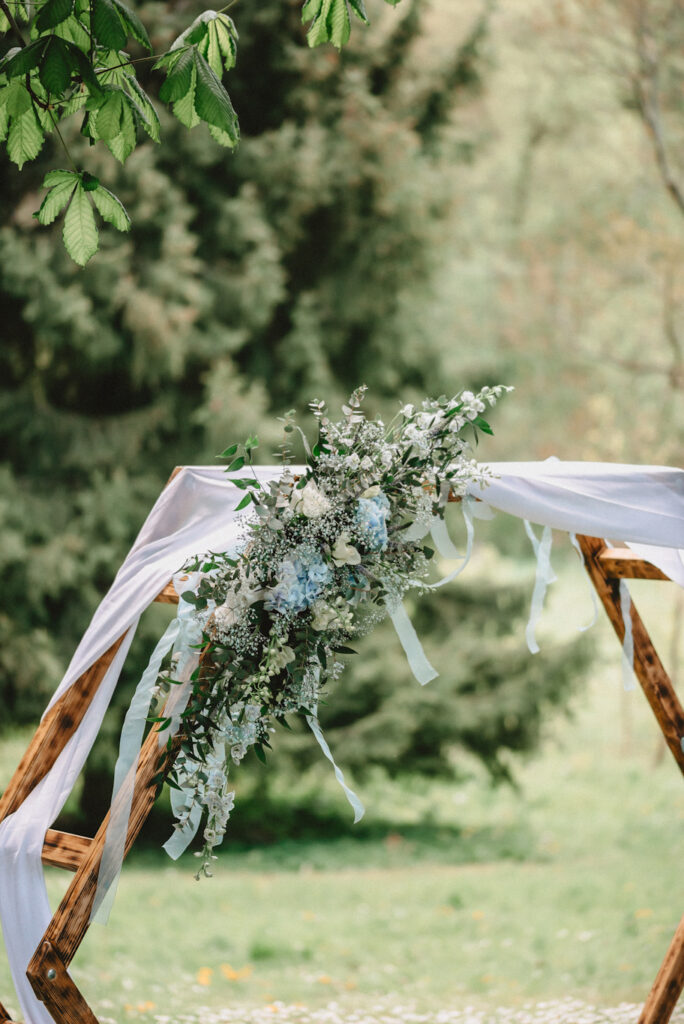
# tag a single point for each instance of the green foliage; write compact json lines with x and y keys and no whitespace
{"x":69,"y":60}
{"x":78,"y":193}
{"x":303,"y":265}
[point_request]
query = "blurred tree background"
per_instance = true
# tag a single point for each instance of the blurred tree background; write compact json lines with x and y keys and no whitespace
{"x":462,"y":196}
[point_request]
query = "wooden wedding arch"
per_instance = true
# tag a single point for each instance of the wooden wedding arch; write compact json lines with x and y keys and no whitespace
{"x":47,"y":970}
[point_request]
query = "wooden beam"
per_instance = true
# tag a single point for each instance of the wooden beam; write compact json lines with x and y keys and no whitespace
{"x":623,"y":563}
{"x":72,"y":918}
{"x":4,"y":1016}
{"x":54,"y":986}
{"x":669,"y":982}
{"x":57,"y":727}
{"x":648,"y":667}
{"x":168,"y":595}
{"x":64,"y":850}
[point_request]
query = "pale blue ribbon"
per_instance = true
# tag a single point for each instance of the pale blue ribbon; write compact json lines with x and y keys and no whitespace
{"x":442,"y":541}
{"x":181,"y":799}
{"x":408,"y":638}
{"x":124,"y":778}
{"x":544,"y":575}
{"x":351,"y":796}
{"x":180,"y":635}
{"x":628,"y":642}
{"x":440,"y":536}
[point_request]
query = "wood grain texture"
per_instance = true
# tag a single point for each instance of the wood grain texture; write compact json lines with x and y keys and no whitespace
{"x":53,"y":986}
{"x":623,"y":564}
{"x":56,"y":728}
{"x":72,"y":918}
{"x":648,"y":667}
{"x":4,"y":1016}
{"x":665,"y":704}
{"x":64,"y":850}
{"x":669,"y":982}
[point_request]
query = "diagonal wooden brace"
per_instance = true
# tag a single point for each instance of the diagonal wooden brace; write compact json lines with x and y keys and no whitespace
{"x":53,"y":986}
{"x":606,"y":567}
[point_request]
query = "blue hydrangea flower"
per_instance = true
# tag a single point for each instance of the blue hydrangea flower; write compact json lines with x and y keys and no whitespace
{"x":371,"y":521}
{"x":300,"y":582}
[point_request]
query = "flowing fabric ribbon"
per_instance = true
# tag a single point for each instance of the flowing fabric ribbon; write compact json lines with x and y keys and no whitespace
{"x":357,"y":806}
{"x":181,"y":837}
{"x":441,"y":537}
{"x":180,"y":635}
{"x":408,"y":638}
{"x":628,"y":680}
{"x":594,"y":599}
{"x":544,"y":575}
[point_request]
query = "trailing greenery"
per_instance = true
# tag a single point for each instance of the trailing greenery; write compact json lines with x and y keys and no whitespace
{"x":71,"y":60}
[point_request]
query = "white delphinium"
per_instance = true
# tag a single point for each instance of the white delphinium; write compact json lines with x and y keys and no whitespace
{"x":472,"y":405}
{"x":462,"y":474}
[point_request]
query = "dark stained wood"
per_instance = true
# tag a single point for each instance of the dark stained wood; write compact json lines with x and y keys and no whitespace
{"x":71,"y":920}
{"x":669,"y":982}
{"x":47,"y":969}
{"x":648,"y":667}
{"x":64,"y":850}
{"x":603,"y":567}
{"x":54,"y":987}
{"x":56,"y":728}
{"x":4,"y":1016}
{"x":622,"y":563}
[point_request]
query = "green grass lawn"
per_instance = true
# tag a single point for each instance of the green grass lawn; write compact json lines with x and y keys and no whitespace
{"x":566,"y":886}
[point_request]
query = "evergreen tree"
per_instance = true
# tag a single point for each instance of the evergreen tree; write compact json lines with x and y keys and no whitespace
{"x":297,"y":266}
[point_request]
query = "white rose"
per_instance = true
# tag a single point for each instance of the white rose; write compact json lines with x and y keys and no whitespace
{"x":231,"y":611}
{"x":281,"y":657}
{"x":310,"y":501}
{"x":371,"y":492}
{"x":322,"y":615}
{"x":343,"y":553}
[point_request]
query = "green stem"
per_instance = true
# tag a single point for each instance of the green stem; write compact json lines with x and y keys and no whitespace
{"x":127,"y":63}
{"x":61,"y":139}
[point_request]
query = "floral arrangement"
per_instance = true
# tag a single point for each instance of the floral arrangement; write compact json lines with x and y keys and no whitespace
{"x":326,"y":554}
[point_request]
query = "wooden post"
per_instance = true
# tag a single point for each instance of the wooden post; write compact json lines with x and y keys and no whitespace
{"x":606,"y":567}
{"x":53,"y":733}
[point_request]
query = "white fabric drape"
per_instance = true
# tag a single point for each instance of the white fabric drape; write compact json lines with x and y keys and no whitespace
{"x":640,"y":505}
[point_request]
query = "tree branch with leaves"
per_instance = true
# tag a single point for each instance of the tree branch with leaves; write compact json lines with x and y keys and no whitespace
{"x":70,"y":60}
